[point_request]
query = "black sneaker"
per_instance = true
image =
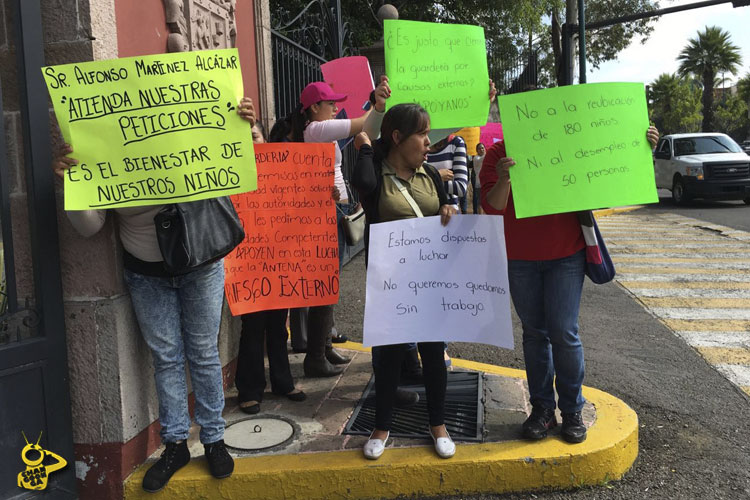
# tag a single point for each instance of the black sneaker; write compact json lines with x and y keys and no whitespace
{"x":405,"y":398}
{"x":573,"y":430}
{"x":220,"y":462}
{"x":539,"y":422}
{"x":175,"y":456}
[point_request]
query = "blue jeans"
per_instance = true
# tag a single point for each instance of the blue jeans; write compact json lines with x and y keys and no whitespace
{"x":179,"y":318}
{"x":547,"y":296}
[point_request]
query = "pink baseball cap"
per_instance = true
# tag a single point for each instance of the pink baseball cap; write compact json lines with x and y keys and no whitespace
{"x":319,"y":91}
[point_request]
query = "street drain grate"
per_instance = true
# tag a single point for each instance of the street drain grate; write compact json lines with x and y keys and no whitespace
{"x":464,"y":411}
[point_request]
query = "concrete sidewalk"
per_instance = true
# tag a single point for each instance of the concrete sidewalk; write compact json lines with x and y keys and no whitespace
{"x":316,"y":461}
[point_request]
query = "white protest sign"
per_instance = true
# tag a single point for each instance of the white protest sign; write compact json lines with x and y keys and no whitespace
{"x":428,"y":282}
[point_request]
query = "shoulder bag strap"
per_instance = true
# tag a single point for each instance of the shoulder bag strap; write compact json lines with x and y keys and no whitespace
{"x":406,"y":194}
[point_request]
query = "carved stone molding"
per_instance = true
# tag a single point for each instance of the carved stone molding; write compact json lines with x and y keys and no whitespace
{"x":200,"y":24}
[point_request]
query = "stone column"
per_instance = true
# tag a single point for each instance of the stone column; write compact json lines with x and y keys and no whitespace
{"x":266,"y":107}
{"x":114,"y":404}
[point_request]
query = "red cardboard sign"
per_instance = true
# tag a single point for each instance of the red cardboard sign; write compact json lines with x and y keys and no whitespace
{"x":289,"y":257}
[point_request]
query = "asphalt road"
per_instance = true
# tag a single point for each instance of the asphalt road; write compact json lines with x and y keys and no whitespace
{"x":694,"y":423}
{"x":735,"y":214}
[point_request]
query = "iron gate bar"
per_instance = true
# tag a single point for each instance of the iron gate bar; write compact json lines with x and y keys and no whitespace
{"x":7,"y":227}
{"x":44,"y":238}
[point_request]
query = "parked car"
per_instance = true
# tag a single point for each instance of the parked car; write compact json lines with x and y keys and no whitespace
{"x":702,"y":165}
{"x":745,"y":146}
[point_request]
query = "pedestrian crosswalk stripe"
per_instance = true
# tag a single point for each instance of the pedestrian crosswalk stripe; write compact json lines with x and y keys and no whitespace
{"x":684,"y":285}
{"x":739,"y":374}
{"x":652,"y":261}
{"x":678,"y":270}
{"x":695,"y":302}
{"x":694,"y":313}
{"x":687,"y":293}
{"x":632,"y":234}
{"x":702,"y":325}
{"x":725,"y":355}
{"x":716,"y":339}
{"x":677,"y":277}
{"x":665,"y":247}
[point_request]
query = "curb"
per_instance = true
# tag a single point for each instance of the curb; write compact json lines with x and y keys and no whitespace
{"x":605,"y":212}
{"x":607,"y":454}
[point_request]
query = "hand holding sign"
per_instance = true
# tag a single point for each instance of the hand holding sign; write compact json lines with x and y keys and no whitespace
{"x":443,"y":67}
{"x":428,"y":282}
{"x":154,"y":129}
{"x":289,"y":257}
{"x":579,"y":147}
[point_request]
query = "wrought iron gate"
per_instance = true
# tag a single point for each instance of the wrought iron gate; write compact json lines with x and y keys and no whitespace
{"x":34,"y":394}
{"x":318,"y":26}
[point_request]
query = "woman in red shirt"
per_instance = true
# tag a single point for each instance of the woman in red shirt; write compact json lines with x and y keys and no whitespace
{"x":546,"y":262}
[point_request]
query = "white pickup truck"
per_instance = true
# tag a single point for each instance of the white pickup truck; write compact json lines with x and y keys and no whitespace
{"x":702,"y":165}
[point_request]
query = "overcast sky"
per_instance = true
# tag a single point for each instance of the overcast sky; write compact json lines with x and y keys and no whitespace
{"x":645,"y":62}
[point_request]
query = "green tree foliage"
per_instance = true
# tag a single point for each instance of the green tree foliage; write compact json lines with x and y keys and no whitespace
{"x":731,"y":117}
{"x":743,"y":88}
{"x":509,"y":25}
{"x":674,"y":104}
{"x":711,"y":52}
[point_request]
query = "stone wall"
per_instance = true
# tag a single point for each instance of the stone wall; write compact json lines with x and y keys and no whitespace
{"x":111,"y":378}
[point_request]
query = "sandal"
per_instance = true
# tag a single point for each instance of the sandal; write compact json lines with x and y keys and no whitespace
{"x":250,"y":407}
{"x":296,"y":395}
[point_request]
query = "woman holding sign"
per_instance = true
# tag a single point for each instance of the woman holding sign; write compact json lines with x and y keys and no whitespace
{"x":263,"y":329}
{"x":179,"y":317}
{"x":314,"y":120}
{"x":395,"y":182}
{"x":546,"y":268}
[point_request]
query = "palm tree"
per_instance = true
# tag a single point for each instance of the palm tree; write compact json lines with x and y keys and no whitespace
{"x":705,"y":56}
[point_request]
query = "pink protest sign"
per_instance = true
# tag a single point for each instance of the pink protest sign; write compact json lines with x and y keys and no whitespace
{"x":350,"y":76}
{"x":490,"y":134}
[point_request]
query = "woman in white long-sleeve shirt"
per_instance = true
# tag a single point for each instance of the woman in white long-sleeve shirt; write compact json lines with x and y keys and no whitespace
{"x":179,"y":318}
{"x":314,"y":120}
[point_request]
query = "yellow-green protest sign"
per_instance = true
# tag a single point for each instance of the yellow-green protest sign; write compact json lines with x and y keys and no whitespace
{"x":443,"y":67}
{"x":578,"y":147}
{"x":154,"y":129}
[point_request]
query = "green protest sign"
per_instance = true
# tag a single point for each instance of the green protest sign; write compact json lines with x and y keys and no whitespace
{"x":578,"y":147}
{"x":443,"y":67}
{"x":154,"y":129}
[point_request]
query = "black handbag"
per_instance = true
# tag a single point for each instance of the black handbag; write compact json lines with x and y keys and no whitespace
{"x":195,"y":233}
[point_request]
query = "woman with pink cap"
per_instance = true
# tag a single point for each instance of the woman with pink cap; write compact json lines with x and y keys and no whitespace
{"x":314,"y":120}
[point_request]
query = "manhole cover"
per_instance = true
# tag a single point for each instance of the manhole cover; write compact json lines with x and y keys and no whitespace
{"x":258,"y":433}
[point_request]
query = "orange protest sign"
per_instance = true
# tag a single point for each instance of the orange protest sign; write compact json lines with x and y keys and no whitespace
{"x":289,"y":257}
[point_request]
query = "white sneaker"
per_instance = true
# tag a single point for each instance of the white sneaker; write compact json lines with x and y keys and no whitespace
{"x":375,"y":447}
{"x":444,"y":446}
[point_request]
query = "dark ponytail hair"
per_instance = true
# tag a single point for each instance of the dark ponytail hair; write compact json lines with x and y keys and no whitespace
{"x":292,"y":127}
{"x":280,"y":131}
{"x":408,"y":119}
{"x":298,"y":120}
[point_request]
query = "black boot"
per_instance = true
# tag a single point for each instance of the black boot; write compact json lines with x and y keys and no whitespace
{"x":573,"y":430}
{"x":220,"y":462}
{"x":539,"y":422}
{"x":174,"y":457}
{"x":405,"y":398}
{"x":332,"y":355}
{"x":316,"y":364}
